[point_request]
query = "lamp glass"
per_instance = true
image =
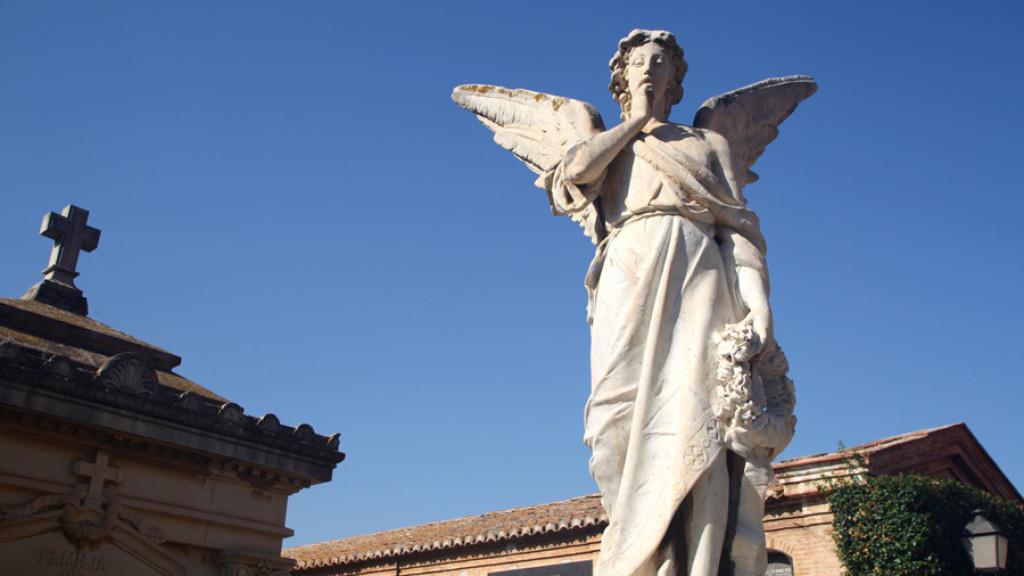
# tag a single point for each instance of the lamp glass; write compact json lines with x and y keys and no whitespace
{"x":986,"y":544}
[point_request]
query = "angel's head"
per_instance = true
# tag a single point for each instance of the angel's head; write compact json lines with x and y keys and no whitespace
{"x":672,"y":54}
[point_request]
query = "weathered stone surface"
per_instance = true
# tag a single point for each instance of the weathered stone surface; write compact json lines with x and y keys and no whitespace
{"x":129,"y":372}
{"x":58,"y":295}
{"x":110,"y":463}
{"x":52,"y":325}
{"x":71,"y":235}
{"x":53,"y":385}
{"x":680,"y":262}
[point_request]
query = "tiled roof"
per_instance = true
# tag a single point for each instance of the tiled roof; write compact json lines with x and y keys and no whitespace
{"x":73,"y":359}
{"x":576,"y":514}
{"x":23,"y":367}
{"x":76,"y":320}
{"x":94,"y":360}
{"x":567,"y":515}
{"x":84,"y":340}
{"x":502,"y":525}
{"x":865,"y":449}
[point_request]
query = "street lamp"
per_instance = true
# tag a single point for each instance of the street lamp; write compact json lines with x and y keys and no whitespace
{"x":986,"y":543}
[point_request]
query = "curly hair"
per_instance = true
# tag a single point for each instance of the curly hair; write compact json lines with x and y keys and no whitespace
{"x":620,"y":88}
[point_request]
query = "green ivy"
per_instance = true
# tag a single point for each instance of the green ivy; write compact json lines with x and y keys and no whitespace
{"x":909,"y":525}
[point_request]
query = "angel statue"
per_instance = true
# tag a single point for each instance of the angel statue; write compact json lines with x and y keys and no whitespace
{"x":689,"y":397}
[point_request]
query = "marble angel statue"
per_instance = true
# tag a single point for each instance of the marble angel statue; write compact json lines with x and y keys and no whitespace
{"x":689,"y":394}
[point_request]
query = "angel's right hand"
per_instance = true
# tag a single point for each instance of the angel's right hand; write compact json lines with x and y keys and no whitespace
{"x":642,"y":108}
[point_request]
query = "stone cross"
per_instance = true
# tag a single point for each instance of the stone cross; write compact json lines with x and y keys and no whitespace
{"x":99,"y":473}
{"x":70,"y":235}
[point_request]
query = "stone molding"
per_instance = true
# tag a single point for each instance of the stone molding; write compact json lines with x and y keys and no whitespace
{"x":89,"y":511}
{"x":59,"y":295}
{"x":89,"y":514}
{"x":78,"y":331}
{"x":127,"y":382}
{"x":234,"y":563}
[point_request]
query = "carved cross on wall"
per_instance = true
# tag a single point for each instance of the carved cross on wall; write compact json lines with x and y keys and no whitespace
{"x":70,"y":235}
{"x":99,"y":473}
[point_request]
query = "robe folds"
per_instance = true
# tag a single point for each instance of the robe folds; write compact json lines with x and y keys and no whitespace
{"x":661,"y":285}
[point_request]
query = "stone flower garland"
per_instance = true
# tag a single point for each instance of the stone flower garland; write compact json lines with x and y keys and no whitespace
{"x":754,"y":397}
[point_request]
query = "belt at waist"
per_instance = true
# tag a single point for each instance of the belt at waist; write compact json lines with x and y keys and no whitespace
{"x":596,"y":265}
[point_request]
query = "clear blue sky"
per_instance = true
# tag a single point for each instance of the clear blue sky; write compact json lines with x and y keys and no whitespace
{"x":291,"y":202}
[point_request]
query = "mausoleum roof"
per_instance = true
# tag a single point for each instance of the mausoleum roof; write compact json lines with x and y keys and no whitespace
{"x":56,"y":363}
{"x":84,"y":340}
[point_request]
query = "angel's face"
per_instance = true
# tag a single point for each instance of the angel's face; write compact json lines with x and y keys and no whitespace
{"x":649,"y":71}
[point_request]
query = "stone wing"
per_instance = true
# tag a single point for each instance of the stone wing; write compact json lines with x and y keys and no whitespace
{"x":539,"y":129}
{"x":749,"y":117}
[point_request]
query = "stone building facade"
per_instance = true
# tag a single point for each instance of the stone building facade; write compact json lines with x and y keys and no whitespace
{"x":113,"y":464}
{"x":563,"y":538}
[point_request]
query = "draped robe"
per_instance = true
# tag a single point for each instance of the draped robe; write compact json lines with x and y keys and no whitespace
{"x":661,"y":284}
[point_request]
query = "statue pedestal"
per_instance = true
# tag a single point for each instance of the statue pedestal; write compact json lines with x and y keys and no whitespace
{"x":59,"y":295}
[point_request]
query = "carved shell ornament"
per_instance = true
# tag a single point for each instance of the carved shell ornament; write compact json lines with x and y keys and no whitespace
{"x":127,"y":372}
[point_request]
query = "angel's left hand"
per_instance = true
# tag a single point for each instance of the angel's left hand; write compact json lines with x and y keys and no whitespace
{"x":761,"y":322}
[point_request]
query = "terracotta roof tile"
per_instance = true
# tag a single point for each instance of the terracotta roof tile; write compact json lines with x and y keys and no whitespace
{"x":566,"y":515}
{"x":576,"y":514}
{"x":865,"y":448}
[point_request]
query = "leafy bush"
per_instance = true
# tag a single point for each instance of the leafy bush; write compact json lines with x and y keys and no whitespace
{"x":909,"y":525}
